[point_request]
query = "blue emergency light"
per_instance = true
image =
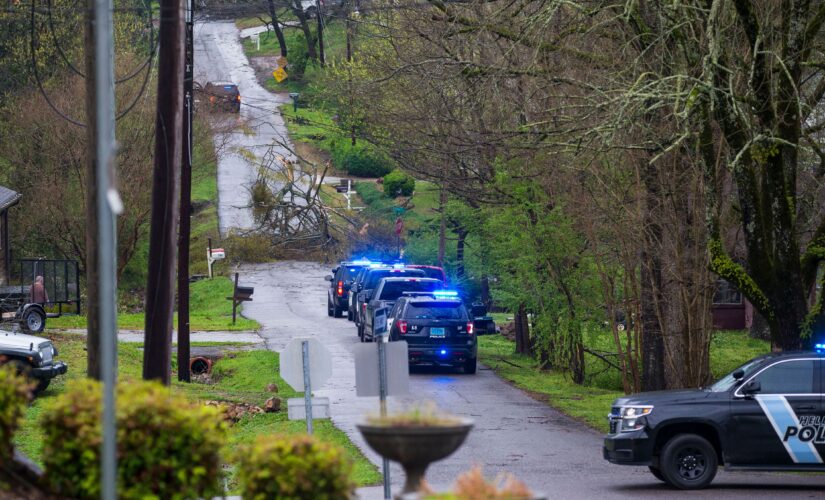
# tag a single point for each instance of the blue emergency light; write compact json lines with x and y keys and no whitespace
{"x":362,"y":261}
{"x":443,"y":352}
{"x":445,"y":293}
{"x":819,"y":347}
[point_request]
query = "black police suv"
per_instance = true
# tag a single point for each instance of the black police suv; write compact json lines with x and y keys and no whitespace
{"x":388,"y":291}
{"x":340,"y":282}
{"x":366,"y":288}
{"x":437,"y":328}
{"x":352,"y":296}
{"x":768,"y":414}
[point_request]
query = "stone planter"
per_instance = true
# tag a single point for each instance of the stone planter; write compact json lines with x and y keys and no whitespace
{"x":415,"y":447}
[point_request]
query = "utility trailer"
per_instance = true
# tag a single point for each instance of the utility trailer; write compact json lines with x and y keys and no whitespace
{"x":29,"y":304}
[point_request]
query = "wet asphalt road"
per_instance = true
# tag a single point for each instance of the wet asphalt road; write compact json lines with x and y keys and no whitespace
{"x":247,"y":137}
{"x":513,"y":433}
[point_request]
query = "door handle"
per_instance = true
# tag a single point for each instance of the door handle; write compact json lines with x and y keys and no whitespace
{"x":810,"y":407}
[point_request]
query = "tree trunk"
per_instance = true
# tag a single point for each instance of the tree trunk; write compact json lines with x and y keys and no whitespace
{"x":303,"y":21}
{"x":276,"y":26}
{"x":653,"y":350}
{"x":459,"y":252}
{"x":522,"y":329}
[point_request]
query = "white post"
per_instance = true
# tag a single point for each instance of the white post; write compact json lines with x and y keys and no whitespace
{"x":382,"y":391}
{"x":307,"y":386}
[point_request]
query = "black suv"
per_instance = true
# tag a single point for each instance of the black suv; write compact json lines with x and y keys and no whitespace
{"x":766,"y":415}
{"x":340,"y":281}
{"x":352,"y":296}
{"x":437,"y":328}
{"x":367,"y":285}
{"x":223,"y":95}
{"x":388,"y":291}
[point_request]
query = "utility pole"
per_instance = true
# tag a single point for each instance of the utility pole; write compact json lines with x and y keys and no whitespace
{"x":349,"y":72}
{"x":186,"y":198}
{"x":102,"y":205}
{"x":92,"y":187}
{"x":160,"y":289}
{"x":320,"y":14}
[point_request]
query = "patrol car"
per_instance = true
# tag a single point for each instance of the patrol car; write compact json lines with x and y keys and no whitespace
{"x":768,"y":414}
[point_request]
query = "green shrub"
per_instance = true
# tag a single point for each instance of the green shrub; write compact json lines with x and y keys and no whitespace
{"x":167,"y":446}
{"x":359,"y":160}
{"x":293,"y":467}
{"x":15,"y":391}
{"x":251,"y":248}
{"x":398,"y":183}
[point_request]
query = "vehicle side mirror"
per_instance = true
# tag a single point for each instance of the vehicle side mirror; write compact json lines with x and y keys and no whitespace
{"x":752,"y":387}
{"x":328,"y":277}
{"x":738,"y":374}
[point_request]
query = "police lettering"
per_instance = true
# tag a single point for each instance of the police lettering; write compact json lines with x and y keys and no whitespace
{"x":811,"y":429}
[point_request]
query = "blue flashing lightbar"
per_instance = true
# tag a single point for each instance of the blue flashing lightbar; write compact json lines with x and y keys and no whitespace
{"x":819,"y":347}
{"x":376,"y":265}
{"x":443,"y":352}
{"x":398,"y":266}
{"x":445,"y":293}
{"x":362,"y":261}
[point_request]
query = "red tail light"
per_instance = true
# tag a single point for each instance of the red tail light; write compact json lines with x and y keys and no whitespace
{"x":340,"y":288}
{"x":238,"y":98}
{"x":402,"y":327}
{"x":470,"y":328}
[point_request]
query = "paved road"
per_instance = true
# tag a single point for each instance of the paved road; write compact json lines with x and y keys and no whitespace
{"x":246,"y":138}
{"x":513,"y":432}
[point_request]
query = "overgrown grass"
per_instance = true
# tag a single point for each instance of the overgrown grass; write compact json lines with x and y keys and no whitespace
{"x":208,"y":311}
{"x":591,"y":402}
{"x":241,"y":377}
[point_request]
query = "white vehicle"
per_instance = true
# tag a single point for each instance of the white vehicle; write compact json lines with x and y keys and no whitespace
{"x":32,"y":356}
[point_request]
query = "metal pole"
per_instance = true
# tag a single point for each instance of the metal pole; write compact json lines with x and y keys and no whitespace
{"x":108,"y":203}
{"x":185,"y":200}
{"x":382,"y":397}
{"x":307,"y":386}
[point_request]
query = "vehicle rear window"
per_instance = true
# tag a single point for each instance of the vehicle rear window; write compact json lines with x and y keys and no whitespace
{"x":393,"y":289}
{"x":371,"y":281}
{"x":432,"y":272}
{"x":435,"y":310}
{"x":348,"y":273}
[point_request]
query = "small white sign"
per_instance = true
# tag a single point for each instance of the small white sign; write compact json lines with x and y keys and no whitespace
{"x":292,"y":364}
{"x":366,"y":369}
{"x":296,"y":409}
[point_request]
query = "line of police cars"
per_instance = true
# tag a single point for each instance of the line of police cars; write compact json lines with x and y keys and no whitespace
{"x":438,"y":328}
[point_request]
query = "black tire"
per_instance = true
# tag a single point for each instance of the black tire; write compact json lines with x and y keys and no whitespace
{"x":688,"y":462}
{"x":471,"y":366}
{"x":338,"y":312}
{"x":656,"y":473}
{"x":349,"y":315}
{"x":33,"y":321}
{"x":42,"y":385}
{"x":361,"y":333}
{"x":329,"y":308}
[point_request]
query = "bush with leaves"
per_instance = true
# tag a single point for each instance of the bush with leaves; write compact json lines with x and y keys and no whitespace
{"x":167,"y":446}
{"x":293,"y":467}
{"x":398,"y":183}
{"x":360,"y":160}
{"x":15,"y":392}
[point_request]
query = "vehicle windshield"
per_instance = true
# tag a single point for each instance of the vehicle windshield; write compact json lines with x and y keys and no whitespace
{"x":372,"y":279}
{"x":436,"y":310}
{"x":728,"y":381}
{"x":393,"y":289}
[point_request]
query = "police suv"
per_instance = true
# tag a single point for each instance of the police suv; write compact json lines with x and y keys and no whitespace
{"x":768,"y":414}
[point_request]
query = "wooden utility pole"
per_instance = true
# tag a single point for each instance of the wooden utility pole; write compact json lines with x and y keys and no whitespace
{"x":92,"y":291}
{"x":320,"y":15}
{"x":160,"y":286}
{"x":186,"y":198}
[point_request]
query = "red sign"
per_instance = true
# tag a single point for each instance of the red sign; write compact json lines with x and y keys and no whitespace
{"x":399,"y":226}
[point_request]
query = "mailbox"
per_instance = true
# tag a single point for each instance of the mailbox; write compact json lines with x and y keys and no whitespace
{"x":218,"y":253}
{"x":244,"y":293}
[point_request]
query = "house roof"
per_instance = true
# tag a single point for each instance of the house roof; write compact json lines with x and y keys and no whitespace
{"x":8,"y":197}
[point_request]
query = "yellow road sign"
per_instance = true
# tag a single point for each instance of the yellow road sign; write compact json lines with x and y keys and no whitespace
{"x":279,"y":74}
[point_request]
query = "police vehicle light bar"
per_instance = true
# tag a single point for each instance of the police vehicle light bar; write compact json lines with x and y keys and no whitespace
{"x":819,"y":347}
{"x":445,"y":293}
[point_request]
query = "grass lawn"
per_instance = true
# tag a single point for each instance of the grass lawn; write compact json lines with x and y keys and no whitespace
{"x":240,"y":378}
{"x":590,"y":403}
{"x":208,"y":311}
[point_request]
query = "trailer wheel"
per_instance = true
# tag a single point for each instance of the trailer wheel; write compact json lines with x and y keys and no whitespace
{"x":33,"y":321}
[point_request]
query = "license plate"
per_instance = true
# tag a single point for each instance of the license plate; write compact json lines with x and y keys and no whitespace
{"x":436,"y":332}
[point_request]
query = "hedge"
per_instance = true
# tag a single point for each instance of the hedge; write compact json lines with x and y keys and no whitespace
{"x":167,"y":446}
{"x":398,"y":183}
{"x":360,"y":160}
{"x":293,"y":467}
{"x":15,"y":392}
